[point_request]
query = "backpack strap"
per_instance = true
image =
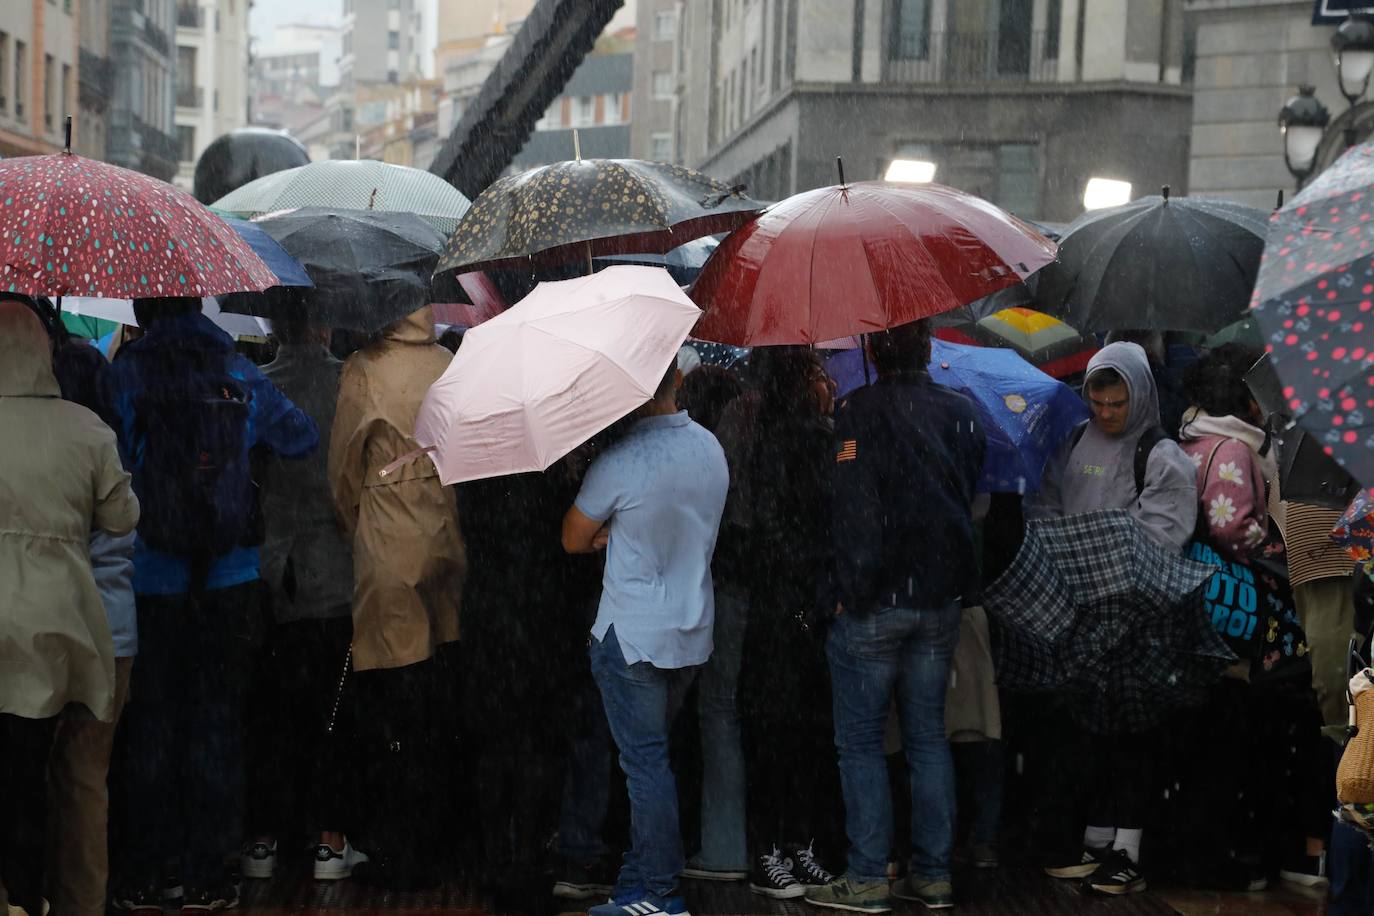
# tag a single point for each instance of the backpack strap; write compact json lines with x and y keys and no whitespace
{"x":1143,"y":447}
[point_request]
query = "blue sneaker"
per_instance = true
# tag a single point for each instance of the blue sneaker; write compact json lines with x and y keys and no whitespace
{"x":642,"y":904}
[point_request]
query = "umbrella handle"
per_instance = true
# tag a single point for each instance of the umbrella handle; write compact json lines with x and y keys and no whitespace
{"x":404,"y":460}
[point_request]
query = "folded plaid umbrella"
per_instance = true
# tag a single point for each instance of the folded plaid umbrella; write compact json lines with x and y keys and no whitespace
{"x":1091,"y":607}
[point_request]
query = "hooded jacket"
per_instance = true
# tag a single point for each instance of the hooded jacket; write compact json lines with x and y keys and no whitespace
{"x":408,"y":558}
{"x":1098,"y":471}
{"x":273,"y":421}
{"x":60,"y":477}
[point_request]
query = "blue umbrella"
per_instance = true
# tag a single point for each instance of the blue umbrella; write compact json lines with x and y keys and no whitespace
{"x":1026,"y":413}
{"x":288,"y":270}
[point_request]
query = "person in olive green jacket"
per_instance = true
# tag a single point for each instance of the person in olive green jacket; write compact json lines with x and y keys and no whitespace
{"x":60,"y":478}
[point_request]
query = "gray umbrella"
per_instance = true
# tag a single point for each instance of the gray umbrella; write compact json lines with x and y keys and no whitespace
{"x":369,"y":268}
{"x":363,"y":184}
{"x":1161,"y":263}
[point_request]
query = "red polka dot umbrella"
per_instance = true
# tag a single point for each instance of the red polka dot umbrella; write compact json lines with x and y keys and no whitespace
{"x":1314,"y":303}
{"x":71,"y":226}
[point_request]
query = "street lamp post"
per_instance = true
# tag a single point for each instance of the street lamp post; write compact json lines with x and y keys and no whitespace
{"x":1303,"y":121}
{"x":1353,"y":43}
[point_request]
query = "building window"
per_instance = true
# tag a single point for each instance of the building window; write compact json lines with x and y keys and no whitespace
{"x":663,"y":84}
{"x":393,"y":40}
{"x":552,"y":119}
{"x":910,"y":29}
{"x":661,"y":146}
{"x":392,"y":76}
{"x":613,"y":107}
{"x":583,"y":111}
{"x":1018,"y":179}
{"x":49,"y":87}
{"x":665,"y":26}
{"x":4,"y":69}
{"x":186,"y":138}
{"x":1053,"y":17}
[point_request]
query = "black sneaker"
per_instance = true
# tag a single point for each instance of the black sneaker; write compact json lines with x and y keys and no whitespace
{"x":1087,"y":862}
{"x":1117,"y":876}
{"x":209,"y":899}
{"x":583,"y":882}
{"x":771,"y":876}
{"x":138,"y":900}
{"x":806,"y":869}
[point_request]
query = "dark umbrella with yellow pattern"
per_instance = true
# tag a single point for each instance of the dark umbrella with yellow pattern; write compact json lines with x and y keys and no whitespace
{"x":576,"y":210}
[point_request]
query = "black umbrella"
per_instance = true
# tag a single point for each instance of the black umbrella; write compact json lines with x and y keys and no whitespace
{"x":244,"y":155}
{"x":1090,"y":606}
{"x":577,"y":210}
{"x":1169,"y":264}
{"x":370,"y":267}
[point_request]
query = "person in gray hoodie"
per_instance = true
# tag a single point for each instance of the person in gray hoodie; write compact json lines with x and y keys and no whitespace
{"x":1109,"y":775}
{"x":1095,"y":470}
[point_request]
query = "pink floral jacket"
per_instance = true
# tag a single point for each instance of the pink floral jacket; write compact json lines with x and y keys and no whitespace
{"x":1231,"y":493}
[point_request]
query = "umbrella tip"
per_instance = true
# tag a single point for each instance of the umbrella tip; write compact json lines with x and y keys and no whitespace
{"x":67,"y":135}
{"x":839,"y":166}
{"x":1165,"y":191}
{"x":1279,"y":205}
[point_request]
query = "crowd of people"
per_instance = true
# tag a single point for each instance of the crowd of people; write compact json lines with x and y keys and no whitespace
{"x":220,"y":609}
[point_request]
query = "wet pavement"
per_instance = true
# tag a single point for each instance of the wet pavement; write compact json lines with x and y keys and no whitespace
{"x":1004,"y":892}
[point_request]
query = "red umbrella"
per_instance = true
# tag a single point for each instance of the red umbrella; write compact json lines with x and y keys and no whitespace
{"x":848,"y":260}
{"x":485,"y":302}
{"x":71,"y":226}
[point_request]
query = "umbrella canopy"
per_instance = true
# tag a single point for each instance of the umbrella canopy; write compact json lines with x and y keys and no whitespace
{"x":71,"y":226}
{"x":244,"y":155}
{"x":840,"y":261}
{"x":484,"y":302}
{"x":541,"y":378}
{"x":571,"y":211}
{"x":345,"y":184}
{"x":121,"y":311}
{"x":1092,"y":607}
{"x":1164,"y":263}
{"x":370,"y":268}
{"x":1026,"y":414}
{"x":288,"y":270}
{"x":684,"y":262}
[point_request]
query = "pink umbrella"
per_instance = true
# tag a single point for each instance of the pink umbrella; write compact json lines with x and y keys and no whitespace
{"x":541,"y":378}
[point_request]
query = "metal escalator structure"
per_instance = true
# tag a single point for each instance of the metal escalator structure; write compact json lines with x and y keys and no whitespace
{"x":550,"y":45}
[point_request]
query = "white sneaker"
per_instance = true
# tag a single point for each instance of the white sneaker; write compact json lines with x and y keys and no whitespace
{"x":259,"y":860}
{"x":20,"y":911}
{"x":334,"y":864}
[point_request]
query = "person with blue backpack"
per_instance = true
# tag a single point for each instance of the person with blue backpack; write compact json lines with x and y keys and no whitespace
{"x":189,"y":410}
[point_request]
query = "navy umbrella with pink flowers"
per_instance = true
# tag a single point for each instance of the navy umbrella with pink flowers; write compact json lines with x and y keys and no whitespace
{"x":1314,"y":302}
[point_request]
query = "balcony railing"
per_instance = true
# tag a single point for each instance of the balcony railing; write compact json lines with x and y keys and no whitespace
{"x":957,"y":57}
{"x":156,"y":37}
{"x":190,"y":96}
{"x":190,"y":16}
{"x":154,"y":142}
{"x":95,"y":80}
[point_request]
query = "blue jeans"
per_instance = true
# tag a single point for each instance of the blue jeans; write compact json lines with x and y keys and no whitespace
{"x":641,"y":702}
{"x":906,"y":653}
{"x":722,"y":783}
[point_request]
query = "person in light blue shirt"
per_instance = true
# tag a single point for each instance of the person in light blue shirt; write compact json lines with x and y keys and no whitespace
{"x":654,"y":500}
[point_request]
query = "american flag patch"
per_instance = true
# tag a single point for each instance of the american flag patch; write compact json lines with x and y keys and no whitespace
{"x":849,"y":451}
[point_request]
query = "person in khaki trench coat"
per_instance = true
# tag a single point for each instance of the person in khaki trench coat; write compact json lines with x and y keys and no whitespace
{"x":408,"y":568}
{"x":60,"y":477}
{"x":408,"y":559}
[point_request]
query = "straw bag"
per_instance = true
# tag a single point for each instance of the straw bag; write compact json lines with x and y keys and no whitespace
{"x":1355,"y":775}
